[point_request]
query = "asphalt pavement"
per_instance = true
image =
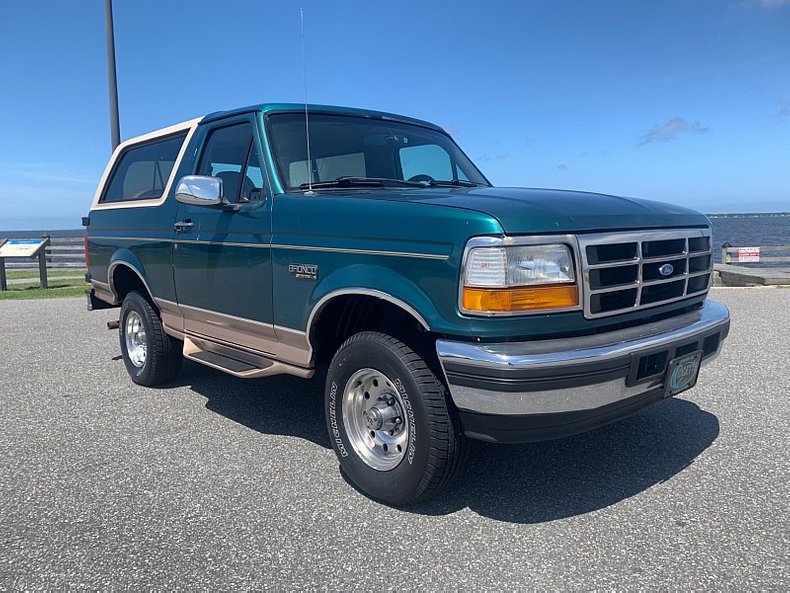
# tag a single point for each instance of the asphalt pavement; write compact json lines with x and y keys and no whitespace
{"x":219,"y":483}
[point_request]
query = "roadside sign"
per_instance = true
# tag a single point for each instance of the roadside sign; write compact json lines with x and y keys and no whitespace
{"x":24,"y":248}
{"x":748,"y":254}
{"x":21,"y":247}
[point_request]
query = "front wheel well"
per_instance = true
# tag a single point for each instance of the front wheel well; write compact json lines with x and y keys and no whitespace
{"x":347,"y":315}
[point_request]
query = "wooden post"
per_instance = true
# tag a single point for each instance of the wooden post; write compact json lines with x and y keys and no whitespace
{"x":42,"y":263}
{"x":42,"y":269}
{"x":3,"y":281}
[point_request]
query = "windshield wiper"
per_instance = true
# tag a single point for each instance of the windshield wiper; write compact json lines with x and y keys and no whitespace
{"x":350,"y":181}
{"x":452,"y":183}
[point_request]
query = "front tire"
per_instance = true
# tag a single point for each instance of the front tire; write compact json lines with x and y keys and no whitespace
{"x":150,"y":355}
{"x":388,"y":418}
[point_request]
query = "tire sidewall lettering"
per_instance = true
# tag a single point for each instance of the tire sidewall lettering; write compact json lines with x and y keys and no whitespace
{"x":347,"y":365}
{"x":337,"y":440}
{"x":412,"y":447}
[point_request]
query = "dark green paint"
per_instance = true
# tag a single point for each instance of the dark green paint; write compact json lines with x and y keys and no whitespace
{"x":254,"y":282}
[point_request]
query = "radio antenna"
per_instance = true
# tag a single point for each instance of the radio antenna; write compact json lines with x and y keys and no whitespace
{"x":306,"y":120}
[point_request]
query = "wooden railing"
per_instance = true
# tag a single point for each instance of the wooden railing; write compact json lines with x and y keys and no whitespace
{"x":62,"y":253}
{"x":754,"y":255}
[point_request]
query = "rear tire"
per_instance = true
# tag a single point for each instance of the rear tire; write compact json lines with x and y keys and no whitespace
{"x":395,"y":435}
{"x":150,"y":355}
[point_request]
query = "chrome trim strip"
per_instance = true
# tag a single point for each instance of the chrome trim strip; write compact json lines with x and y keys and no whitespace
{"x":223,"y":243}
{"x":261,"y":325}
{"x":434,"y":256}
{"x":143,"y":239}
{"x":365,"y":292}
{"x":323,"y":301}
{"x":111,"y":270}
{"x":555,"y":401}
{"x":252,"y":334}
{"x":362,"y":251}
{"x":284,"y":343}
{"x":563,"y":355}
{"x":560,"y":352}
{"x":258,"y":337}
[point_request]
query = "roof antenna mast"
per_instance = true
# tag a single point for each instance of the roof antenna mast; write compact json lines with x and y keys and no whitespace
{"x":306,"y":120}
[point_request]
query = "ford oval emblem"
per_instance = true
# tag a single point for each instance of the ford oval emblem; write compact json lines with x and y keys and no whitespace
{"x":666,"y":270}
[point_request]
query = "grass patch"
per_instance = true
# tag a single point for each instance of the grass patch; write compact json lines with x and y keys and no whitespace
{"x":70,"y":287}
{"x":33,"y":274}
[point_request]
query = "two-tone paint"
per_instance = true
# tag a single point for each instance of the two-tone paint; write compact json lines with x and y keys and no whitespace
{"x":225,"y":274}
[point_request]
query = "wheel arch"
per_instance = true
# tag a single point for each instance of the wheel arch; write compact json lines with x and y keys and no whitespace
{"x":346,"y":311}
{"x":125,"y":274}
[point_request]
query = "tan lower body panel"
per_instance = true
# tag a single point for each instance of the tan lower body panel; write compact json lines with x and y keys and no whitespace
{"x":102,"y":291}
{"x":254,"y":346}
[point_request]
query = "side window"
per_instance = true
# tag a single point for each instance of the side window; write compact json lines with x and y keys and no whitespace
{"x":427,"y":159}
{"x":225,"y":156}
{"x":143,"y":170}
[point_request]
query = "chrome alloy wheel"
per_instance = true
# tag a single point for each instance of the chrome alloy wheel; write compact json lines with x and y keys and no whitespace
{"x":136,"y":341}
{"x":375,"y":419}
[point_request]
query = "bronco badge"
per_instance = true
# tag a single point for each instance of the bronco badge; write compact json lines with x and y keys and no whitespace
{"x":305,"y":271}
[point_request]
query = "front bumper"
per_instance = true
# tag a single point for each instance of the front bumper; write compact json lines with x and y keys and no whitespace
{"x":543,"y":389}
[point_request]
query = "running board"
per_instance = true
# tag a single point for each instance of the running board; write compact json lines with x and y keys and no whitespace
{"x":237,"y":362}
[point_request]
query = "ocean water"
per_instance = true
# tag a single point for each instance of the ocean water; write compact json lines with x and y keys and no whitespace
{"x":740,"y":230}
{"x":751,"y":230}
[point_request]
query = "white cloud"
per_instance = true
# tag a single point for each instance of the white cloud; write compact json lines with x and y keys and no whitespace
{"x":669,"y":130}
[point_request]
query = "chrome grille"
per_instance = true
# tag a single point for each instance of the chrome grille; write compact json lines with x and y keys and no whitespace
{"x":634,"y":270}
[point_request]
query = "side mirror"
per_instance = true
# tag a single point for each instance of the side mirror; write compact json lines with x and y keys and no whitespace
{"x":200,"y":190}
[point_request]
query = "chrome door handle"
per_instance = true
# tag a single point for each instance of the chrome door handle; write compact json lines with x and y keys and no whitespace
{"x":183,"y":225}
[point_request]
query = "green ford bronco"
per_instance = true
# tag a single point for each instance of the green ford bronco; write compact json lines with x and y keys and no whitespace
{"x":285,"y":239}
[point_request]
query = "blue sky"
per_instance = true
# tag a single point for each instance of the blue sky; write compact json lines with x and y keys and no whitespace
{"x":680,"y":101}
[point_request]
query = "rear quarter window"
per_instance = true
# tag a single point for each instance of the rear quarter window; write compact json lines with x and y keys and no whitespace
{"x":143,"y":170}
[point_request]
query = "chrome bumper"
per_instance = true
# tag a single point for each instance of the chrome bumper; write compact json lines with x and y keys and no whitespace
{"x":571,"y":375}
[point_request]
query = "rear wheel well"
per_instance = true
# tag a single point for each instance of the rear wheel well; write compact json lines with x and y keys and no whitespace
{"x":347,"y":315}
{"x":124,"y":281}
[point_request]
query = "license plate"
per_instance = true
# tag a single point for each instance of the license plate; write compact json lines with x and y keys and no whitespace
{"x":682,"y":373}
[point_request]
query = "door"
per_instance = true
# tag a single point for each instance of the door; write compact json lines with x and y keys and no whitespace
{"x":222,"y":256}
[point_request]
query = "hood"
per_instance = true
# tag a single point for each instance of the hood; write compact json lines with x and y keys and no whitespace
{"x":522,"y":211}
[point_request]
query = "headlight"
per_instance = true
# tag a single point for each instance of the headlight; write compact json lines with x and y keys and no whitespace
{"x":519,"y":278}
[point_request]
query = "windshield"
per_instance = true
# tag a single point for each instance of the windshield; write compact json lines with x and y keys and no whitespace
{"x":356,"y":150}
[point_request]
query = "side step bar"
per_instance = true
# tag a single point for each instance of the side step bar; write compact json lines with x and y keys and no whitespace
{"x":237,"y":362}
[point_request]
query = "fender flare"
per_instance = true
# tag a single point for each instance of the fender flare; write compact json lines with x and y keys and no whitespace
{"x":374,"y":281}
{"x":127,"y":259}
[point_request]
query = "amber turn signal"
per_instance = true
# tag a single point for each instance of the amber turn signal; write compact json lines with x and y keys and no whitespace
{"x":508,"y":300}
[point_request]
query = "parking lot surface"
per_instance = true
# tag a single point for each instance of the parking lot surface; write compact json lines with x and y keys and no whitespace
{"x":214,"y":482}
